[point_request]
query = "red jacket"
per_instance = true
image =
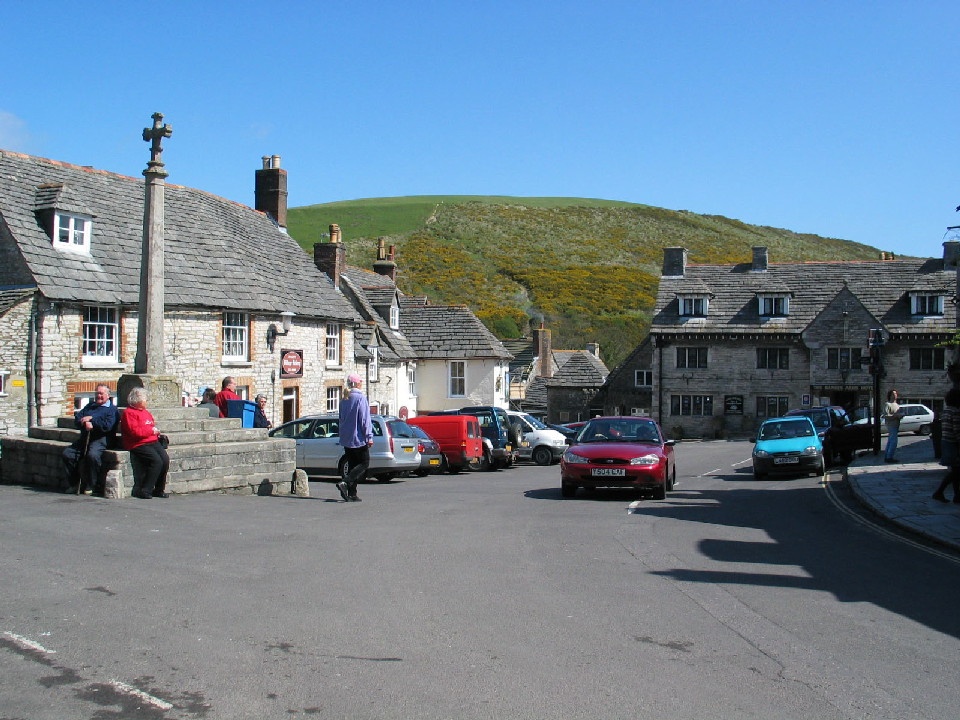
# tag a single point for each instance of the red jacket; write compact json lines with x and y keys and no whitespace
{"x":221,"y":400}
{"x":137,"y":428}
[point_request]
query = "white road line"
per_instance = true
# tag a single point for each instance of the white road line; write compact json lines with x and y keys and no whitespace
{"x":147,"y":698}
{"x":27,"y":644}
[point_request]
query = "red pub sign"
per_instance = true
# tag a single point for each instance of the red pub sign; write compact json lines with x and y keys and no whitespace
{"x":291,"y":363}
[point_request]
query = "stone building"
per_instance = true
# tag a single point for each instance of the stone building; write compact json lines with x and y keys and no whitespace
{"x":733,"y":344}
{"x":241,"y":297}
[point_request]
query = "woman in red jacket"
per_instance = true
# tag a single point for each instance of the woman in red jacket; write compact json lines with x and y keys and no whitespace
{"x":141,"y":438}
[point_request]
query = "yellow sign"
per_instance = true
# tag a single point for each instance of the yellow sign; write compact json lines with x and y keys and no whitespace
{"x":18,"y":383}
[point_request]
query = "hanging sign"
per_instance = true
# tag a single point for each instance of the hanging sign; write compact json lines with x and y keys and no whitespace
{"x":291,"y":363}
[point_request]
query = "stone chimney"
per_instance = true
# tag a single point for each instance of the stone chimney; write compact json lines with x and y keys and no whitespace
{"x":594,"y":349}
{"x":543,"y":349}
{"x":674,"y":261}
{"x":951,"y":254}
{"x":759,"y":259}
{"x":331,"y":257}
{"x":384,"y":264}
{"x":270,"y":194}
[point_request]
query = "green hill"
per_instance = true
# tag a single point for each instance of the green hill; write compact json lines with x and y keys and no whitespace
{"x":588,"y":268}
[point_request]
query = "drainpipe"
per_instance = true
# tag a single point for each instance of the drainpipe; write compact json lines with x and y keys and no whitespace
{"x":33,"y":364}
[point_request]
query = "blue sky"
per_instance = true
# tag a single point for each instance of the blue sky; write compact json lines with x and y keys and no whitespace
{"x":836,"y":118}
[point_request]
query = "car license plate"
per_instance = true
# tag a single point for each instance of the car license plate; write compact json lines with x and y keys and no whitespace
{"x":434,"y":461}
{"x":786,"y":460}
{"x":608,"y":472}
{"x":408,"y":449}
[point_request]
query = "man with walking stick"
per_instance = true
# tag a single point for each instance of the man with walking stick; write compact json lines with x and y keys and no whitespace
{"x":97,"y":421}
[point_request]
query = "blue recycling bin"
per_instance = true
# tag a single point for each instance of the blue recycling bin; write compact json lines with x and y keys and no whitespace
{"x":242,"y":409}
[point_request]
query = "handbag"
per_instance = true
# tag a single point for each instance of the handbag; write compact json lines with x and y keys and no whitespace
{"x":163,"y":440}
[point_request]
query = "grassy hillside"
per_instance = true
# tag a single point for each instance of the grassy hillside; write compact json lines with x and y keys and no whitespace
{"x":588,"y":268}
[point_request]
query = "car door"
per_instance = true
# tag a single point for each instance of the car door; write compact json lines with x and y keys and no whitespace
{"x":845,"y":436}
{"x":319,"y":451}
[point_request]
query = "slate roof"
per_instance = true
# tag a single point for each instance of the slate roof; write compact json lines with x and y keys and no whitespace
{"x":449,"y":331}
{"x":393,"y":344}
{"x":11,"y":297}
{"x":218,"y":254}
{"x":581,"y":369}
{"x":882,"y":287}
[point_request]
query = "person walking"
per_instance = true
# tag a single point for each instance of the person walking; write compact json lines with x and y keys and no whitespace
{"x":950,"y":446}
{"x":356,"y":436}
{"x":892,"y":415}
{"x":141,"y":438}
{"x":97,"y":421}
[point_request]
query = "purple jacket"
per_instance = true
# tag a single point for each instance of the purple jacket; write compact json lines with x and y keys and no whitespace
{"x":356,"y":429}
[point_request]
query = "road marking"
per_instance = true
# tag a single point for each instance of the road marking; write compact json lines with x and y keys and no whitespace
{"x":832,"y":496}
{"x":27,"y":644}
{"x":147,"y":698}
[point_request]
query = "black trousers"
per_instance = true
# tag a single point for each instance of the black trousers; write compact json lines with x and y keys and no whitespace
{"x":358,"y":460}
{"x":73,"y":458}
{"x":155,"y":463}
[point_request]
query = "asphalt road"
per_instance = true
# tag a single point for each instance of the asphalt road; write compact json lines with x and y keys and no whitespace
{"x":483,"y":595}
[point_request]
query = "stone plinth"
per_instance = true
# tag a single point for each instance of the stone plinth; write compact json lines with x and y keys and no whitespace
{"x":162,"y":390}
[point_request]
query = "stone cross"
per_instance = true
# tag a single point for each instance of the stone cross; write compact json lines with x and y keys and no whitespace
{"x":154,"y":135}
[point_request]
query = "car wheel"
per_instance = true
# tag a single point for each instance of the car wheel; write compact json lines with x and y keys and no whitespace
{"x":758,"y":475}
{"x":342,"y":468}
{"x":660,"y":493}
{"x":568,"y":491}
{"x":672,"y":479}
{"x":822,"y":469}
{"x":486,"y":462}
{"x":542,"y":455}
{"x":515,"y":435}
{"x":454,"y":469}
{"x":923,"y":430}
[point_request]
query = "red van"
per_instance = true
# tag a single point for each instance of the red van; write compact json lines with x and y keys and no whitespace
{"x":457,"y":435}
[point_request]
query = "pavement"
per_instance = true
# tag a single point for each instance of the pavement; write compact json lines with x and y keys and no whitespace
{"x":902,"y":491}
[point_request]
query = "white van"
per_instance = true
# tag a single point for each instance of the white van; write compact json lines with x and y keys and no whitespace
{"x":539,"y":443}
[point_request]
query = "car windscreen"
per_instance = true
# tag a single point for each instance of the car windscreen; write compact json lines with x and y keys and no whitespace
{"x":602,"y":430}
{"x":534,"y":422}
{"x":785,"y":429}
{"x":399,"y":429}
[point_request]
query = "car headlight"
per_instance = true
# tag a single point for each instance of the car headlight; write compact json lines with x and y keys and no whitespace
{"x":760,"y":453}
{"x":811,"y":450}
{"x":572,"y":457}
{"x":650,"y":459}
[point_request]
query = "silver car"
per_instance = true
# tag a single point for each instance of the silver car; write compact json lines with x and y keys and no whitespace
{"x":395,"y":448}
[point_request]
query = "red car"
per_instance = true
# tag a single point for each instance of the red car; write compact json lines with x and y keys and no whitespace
{"x":628,"y":452}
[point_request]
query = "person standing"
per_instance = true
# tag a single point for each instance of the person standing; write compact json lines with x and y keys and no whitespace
{"x":950,"y":446}
{"x":97,"y":421}
{"x":356,"y":436}
{"x":227,"y":392}
{"x":209,"y":402}
{"x":141,"y":438}
{"x":892,"y":415}
{"x":260,"y":413}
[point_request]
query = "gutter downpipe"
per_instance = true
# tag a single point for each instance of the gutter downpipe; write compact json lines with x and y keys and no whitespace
{"x":33,"y":363}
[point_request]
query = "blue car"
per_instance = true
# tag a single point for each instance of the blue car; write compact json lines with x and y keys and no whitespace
{"x":787,"y":445}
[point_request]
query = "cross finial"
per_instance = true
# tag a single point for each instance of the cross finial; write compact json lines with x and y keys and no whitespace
{"x":154,"y":135}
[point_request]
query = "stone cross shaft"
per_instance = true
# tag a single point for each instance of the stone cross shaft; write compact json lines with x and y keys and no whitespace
{"x":154,"y":135}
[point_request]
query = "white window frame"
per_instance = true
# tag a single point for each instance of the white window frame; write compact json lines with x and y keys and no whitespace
{"x":4,"y":374}
{"x":773,"y":304}
{"x":235,"y":337}
{"x":412,"y":380}
{"x":71,"y":233}
{"x":694,"y":305}
{"x":457,"y":378}
{"x":926,"y":304}
{"x":643,"y":378}
{"x":395,"y":316}
{"x":332,"y":346}
{"x":100,"y":336}
{"x":373,"y":366}
{"x":333,"y":399}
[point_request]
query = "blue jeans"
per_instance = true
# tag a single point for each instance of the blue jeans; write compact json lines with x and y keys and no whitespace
{"x":892,"y":431}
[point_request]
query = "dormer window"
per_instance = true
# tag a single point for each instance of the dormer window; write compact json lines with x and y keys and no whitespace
{"x":694,"y":305}
{"x":72,"y":233}
{"x":773,"y":304}
{"x":395,"y":317}
{"x":926,"y":304}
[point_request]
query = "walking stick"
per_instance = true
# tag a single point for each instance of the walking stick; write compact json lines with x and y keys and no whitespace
{"x":86,"y":446}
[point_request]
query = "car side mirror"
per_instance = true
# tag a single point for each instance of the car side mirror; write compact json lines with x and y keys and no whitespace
{"x":670,"y":443}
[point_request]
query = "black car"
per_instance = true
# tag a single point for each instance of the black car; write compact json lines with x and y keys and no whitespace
{"x":840,"y":436}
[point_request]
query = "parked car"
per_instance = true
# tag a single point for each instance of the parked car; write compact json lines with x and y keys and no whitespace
{"x":619,"y":452}
{"x":916,"y":418}
{"x":840,"y":437}
{"x":788,"y":445}
{"x":539,"y":443}
{"x":432,"y":459}
{"x":567,"y":432}
{"x":500,"y":438}
{"x":457,"y":435}
{"x":395,"y":449}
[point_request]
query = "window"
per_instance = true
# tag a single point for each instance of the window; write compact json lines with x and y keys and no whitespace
{"x":333,"y":344}
{"x":72,"y":233}
{"x":691,"y":405}
{"x":4,"y":374}
{"x":643,"y":378}
{"x":927,"y":359}
{"x":773,"y":358}
{"x":458,"y":378}
{"x":772,"y":405}
{"x":694,"y":306}
{"x":774,"y":305}
{"x":843,"y":358}
{"x":101,"y":333}
{"x":924,"y":304}
{"x":333,"y":399}
{"x":691,"y":357}
{"x":373,"y":366}
{"x":394,"y":317}
{"x":235,"y":332}
{"x":412,"y":380}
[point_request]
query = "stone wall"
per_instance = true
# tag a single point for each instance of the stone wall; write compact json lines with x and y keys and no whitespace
{"x":14,"y":331}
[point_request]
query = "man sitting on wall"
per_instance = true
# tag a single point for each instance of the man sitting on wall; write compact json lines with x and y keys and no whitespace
{"x":97,"y":421}
{"x":226,"y":393}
